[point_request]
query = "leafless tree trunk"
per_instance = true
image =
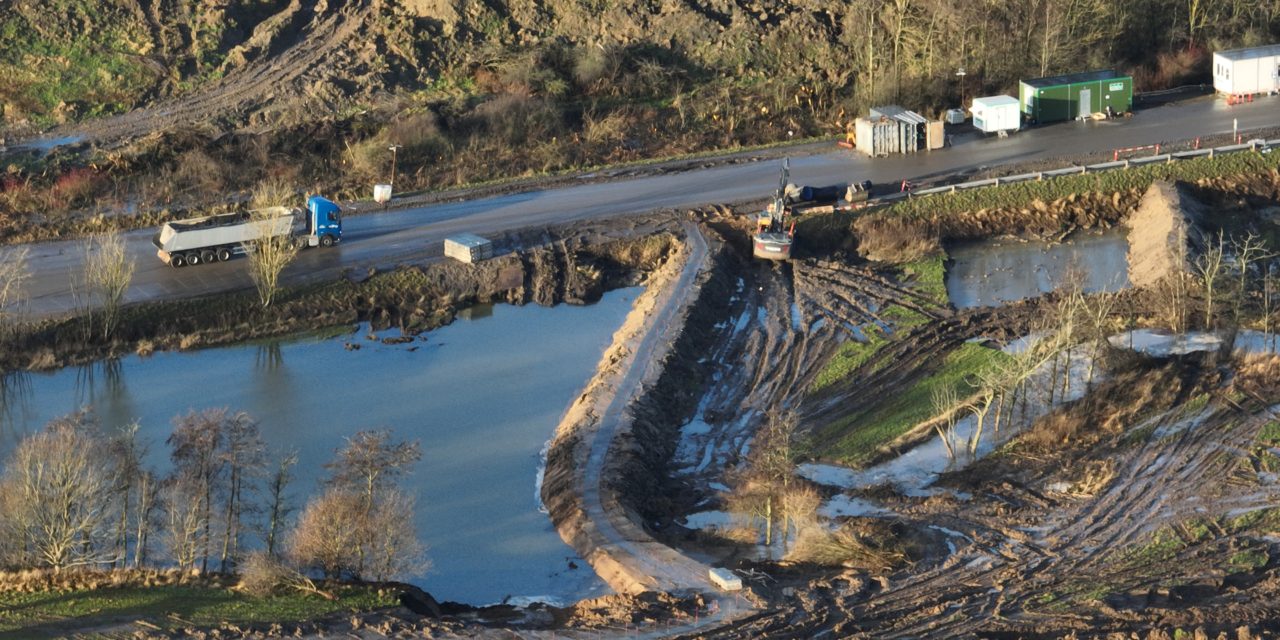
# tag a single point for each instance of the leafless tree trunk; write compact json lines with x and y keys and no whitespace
{"x":1210,"y":267}
{"x":196,"y":442}
{"x":108,"y":273}
{"x":1248,"y":250}
{"x":147,"y":496}
{"x":186,"y":524}
{"x":276,"y":493}
{"x":13,"y":273}
{"x":244,"y":456}
{"x":126,"y":454}
{"x":945,"y":401}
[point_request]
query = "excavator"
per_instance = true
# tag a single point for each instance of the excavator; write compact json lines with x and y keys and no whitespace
{"x":775,"y":230}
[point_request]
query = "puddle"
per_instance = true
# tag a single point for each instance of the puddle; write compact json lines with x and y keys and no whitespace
{"x":482,"y":396}
{"x":46,"y":145}
{"x":995,"y":272}
{"x":1154,"y":342}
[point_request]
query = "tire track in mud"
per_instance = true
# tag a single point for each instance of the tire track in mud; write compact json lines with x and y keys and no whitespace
{"x":994,"y":585}
{"x":275,"y":76}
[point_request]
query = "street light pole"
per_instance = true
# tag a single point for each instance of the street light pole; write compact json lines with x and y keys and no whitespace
{"x":393,"y":148}
{"x":960,"y":74}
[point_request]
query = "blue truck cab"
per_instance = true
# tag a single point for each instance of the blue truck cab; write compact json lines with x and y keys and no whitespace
{"x":324,"y":222}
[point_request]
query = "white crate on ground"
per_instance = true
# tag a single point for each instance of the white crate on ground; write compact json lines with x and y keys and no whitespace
{"x":468,"y":247}
{"x":725,"y":579}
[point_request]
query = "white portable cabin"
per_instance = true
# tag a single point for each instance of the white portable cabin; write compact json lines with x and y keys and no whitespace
{"x":1247,"y":71}
{"x":468,"y":247}
{"x":994,"y":114}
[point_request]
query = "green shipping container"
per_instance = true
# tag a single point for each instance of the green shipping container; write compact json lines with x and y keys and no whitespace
{"x":1075,"y":95}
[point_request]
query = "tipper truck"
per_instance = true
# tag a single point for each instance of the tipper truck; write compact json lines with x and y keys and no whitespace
{"x":217,"y":238}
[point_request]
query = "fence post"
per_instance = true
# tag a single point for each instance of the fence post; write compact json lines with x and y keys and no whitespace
{"x":1157,"y":148}
{"x":1211,"y":152}
{"x":1197,"y":143}
{"x":1040,"y":176}
{"x":1126,"y":163}
{"x":997,"y":181}
{"x":1115,"y":155}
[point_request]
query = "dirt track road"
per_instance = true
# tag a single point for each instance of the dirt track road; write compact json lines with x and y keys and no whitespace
{"x":621,"y":539}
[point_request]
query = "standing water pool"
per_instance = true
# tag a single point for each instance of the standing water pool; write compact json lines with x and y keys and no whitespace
{"x":991,"y":273}
{"x":482,"y":395}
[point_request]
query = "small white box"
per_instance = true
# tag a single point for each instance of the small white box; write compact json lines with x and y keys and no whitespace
{"x":725,"y":579}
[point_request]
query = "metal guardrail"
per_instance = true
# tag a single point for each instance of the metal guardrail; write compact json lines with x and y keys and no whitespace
{"x":1077,"y":169}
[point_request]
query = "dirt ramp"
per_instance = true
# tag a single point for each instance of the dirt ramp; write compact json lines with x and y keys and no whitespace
{"x":1164,"y":233}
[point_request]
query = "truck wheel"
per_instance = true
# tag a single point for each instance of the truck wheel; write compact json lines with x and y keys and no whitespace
{"x":326,"y":241}
{"x":224,"y":254}
{"x":193,"y":258}
{"x":177,"y":261}
{"x":208,"y":256}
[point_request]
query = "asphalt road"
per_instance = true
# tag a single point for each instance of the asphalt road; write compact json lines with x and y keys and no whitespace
{"x":387,"y":239}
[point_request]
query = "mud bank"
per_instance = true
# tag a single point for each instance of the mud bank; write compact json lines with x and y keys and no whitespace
{"x":635,"y":476}
{"x":413,"y":298}
{"x":1164,"y":234}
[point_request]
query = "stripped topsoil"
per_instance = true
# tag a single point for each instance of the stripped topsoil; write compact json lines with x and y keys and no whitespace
{"x":1142,"y":508}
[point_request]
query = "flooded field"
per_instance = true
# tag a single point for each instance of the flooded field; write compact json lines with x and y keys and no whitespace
{"x":986,"y":274}
{"x":483,"y":396}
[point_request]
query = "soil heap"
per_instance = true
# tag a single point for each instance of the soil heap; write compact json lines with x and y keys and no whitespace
{"x":1164,"y":233}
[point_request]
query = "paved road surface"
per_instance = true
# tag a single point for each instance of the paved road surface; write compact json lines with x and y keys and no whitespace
{"x":385,"y":239}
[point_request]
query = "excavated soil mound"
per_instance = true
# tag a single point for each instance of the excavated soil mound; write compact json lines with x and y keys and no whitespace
{"x":1164,"y":233}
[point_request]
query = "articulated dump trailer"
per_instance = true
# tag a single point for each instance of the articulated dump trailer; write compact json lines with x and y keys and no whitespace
{"x":217,"y":238}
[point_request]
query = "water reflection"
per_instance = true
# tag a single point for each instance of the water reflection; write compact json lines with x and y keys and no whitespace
{"x":482,"y":398}
{"x":999,"y":271}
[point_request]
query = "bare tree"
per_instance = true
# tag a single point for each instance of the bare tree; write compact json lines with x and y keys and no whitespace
{"x":394,"y":550}
{"x":1097,"y":310}
{"x":278,"y":500}
{"x":800,"y":511}
{"x":272,"y":192}
{"x":148,"y":498}
{"x":366,"y":469}
{"x":1210,"y":266}
{"x":767,"y":474}
{"x":272,"y":250}
{"x":58,"y":495}
{"x":1268,"y":300}
{"x":370,"y":461}
{"x":244,"y":456}
{"x":126,"y":456}
{"x":186,"y":520}
{"x":196,"y":444}
{"x":13,"y":274}
{"x":945,"y":402}
{"x":329,"y":533}
{"x":1248,"y":250}
{"x":108,"y":271}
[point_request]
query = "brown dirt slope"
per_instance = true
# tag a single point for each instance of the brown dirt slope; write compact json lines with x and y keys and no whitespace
{"x":1164,"y":233}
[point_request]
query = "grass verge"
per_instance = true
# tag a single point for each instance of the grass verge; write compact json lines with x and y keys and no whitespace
{"x":59,"y":612}
{"x":1023,"y":193}
{"x":855,"y":438}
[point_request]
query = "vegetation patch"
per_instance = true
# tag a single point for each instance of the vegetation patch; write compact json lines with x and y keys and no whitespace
{"x":855,"y":438}
{"x":54,"y":613}
{"x":851,"y":356}
{"x":927,"y":276}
